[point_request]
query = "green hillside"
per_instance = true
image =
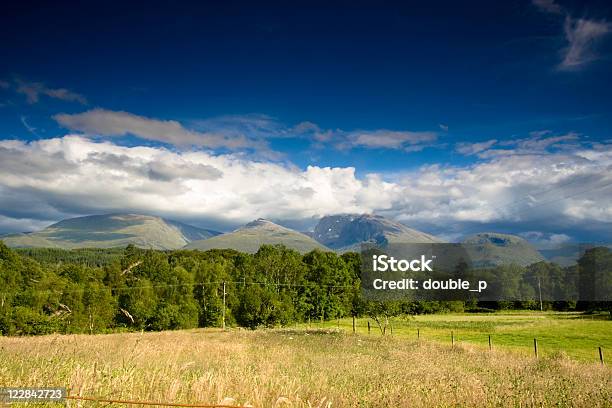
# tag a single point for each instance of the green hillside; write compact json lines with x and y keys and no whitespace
{"x":490,"y":249}
{"x":257,"y":233}
{"x":111,"y":230}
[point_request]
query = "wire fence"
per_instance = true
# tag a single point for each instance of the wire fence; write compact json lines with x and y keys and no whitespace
{"x":452,"y":335}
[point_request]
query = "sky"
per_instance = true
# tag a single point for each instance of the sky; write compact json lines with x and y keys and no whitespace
{"x":450,"y":117}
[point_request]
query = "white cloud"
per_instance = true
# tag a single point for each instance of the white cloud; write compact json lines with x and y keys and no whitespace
{"x":255,"y":126}
{"x":473,"y":148}
{"x":238,"y":132}
{"x":538,"y":142}
{"x":74,"y":175}
{"x":102,"y":122}
{"x":33,"y":91}
{"x":548,"y":6}
{"x":546,"y":240}
{"x":582,"y":35}
{"x":12,"y":225}
{"x":28,"y":127}
{"x":388,"y":139}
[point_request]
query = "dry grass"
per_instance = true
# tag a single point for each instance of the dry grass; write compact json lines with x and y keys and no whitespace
{"x":297,"y":369}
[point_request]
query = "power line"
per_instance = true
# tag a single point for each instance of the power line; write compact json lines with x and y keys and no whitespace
{"x":179,"y":285}
{"x":273,"y":284}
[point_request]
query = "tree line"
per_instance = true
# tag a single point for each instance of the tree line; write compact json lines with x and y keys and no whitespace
{"x":95,"y":291}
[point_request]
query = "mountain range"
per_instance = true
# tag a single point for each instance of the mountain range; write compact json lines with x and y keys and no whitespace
{"x":347,"y":232}
{"x":111,"y":230}
{"x":340,"y":233}
{"x":255,"y":234}
{"x":490,"y":248}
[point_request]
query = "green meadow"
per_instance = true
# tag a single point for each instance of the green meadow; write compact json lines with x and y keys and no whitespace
{"x":574,"y":334}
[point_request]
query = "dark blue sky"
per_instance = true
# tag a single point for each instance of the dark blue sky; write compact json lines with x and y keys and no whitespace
{"x":487,"y":69}
{"x":451,"y":73}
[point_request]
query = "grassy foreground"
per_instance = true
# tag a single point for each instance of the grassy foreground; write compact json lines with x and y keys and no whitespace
{"x":298,"y":368}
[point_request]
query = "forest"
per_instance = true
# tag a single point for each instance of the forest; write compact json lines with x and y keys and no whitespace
{"x":130,"y":289}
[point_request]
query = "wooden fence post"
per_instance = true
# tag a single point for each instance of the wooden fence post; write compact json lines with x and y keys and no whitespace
{"x":535,"y":347}
{"x":418,"y":333}
{"x":452,"y":339}
{"x":490,"y":347}
{"x":223,"y":305}
{"x":601,"y":357}
{"x":368,"y":327}
{"x":353,"y":324}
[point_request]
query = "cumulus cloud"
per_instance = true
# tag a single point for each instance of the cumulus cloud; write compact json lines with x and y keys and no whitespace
{"x":34,"y":90}
{"x":165,"y":171}
{"x":74,"y":175}
{"x":582,"y":36}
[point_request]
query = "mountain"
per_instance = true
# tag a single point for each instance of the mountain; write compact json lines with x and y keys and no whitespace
{"x":111,"y":230}
{"x":347,"y":232}
{"x":255,"y":234}
{"x":490,"y":249}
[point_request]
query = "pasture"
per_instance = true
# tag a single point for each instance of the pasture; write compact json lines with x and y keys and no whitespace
{"x":574,"y":334}
{"x":326,"y":367}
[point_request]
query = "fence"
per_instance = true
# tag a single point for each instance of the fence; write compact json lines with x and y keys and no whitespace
{"x":599,"y":351}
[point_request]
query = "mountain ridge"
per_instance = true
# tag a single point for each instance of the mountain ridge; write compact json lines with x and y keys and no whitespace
{"x":340,"y":233}
{"x":111,"y":230}
{"x":252,"y":235}
{"x":493,"y":248}
{"x":346,"y":232}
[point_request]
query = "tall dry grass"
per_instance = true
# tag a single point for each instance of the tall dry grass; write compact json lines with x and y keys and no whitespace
{"x":298,"y":369}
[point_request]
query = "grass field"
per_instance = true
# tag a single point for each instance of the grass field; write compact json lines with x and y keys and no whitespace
{"x":317,"y":367}
{"x":574,"y":334}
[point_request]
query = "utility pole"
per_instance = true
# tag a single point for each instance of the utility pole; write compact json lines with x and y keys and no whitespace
{"x":540,"y":291}
{"x":223,"y":305}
